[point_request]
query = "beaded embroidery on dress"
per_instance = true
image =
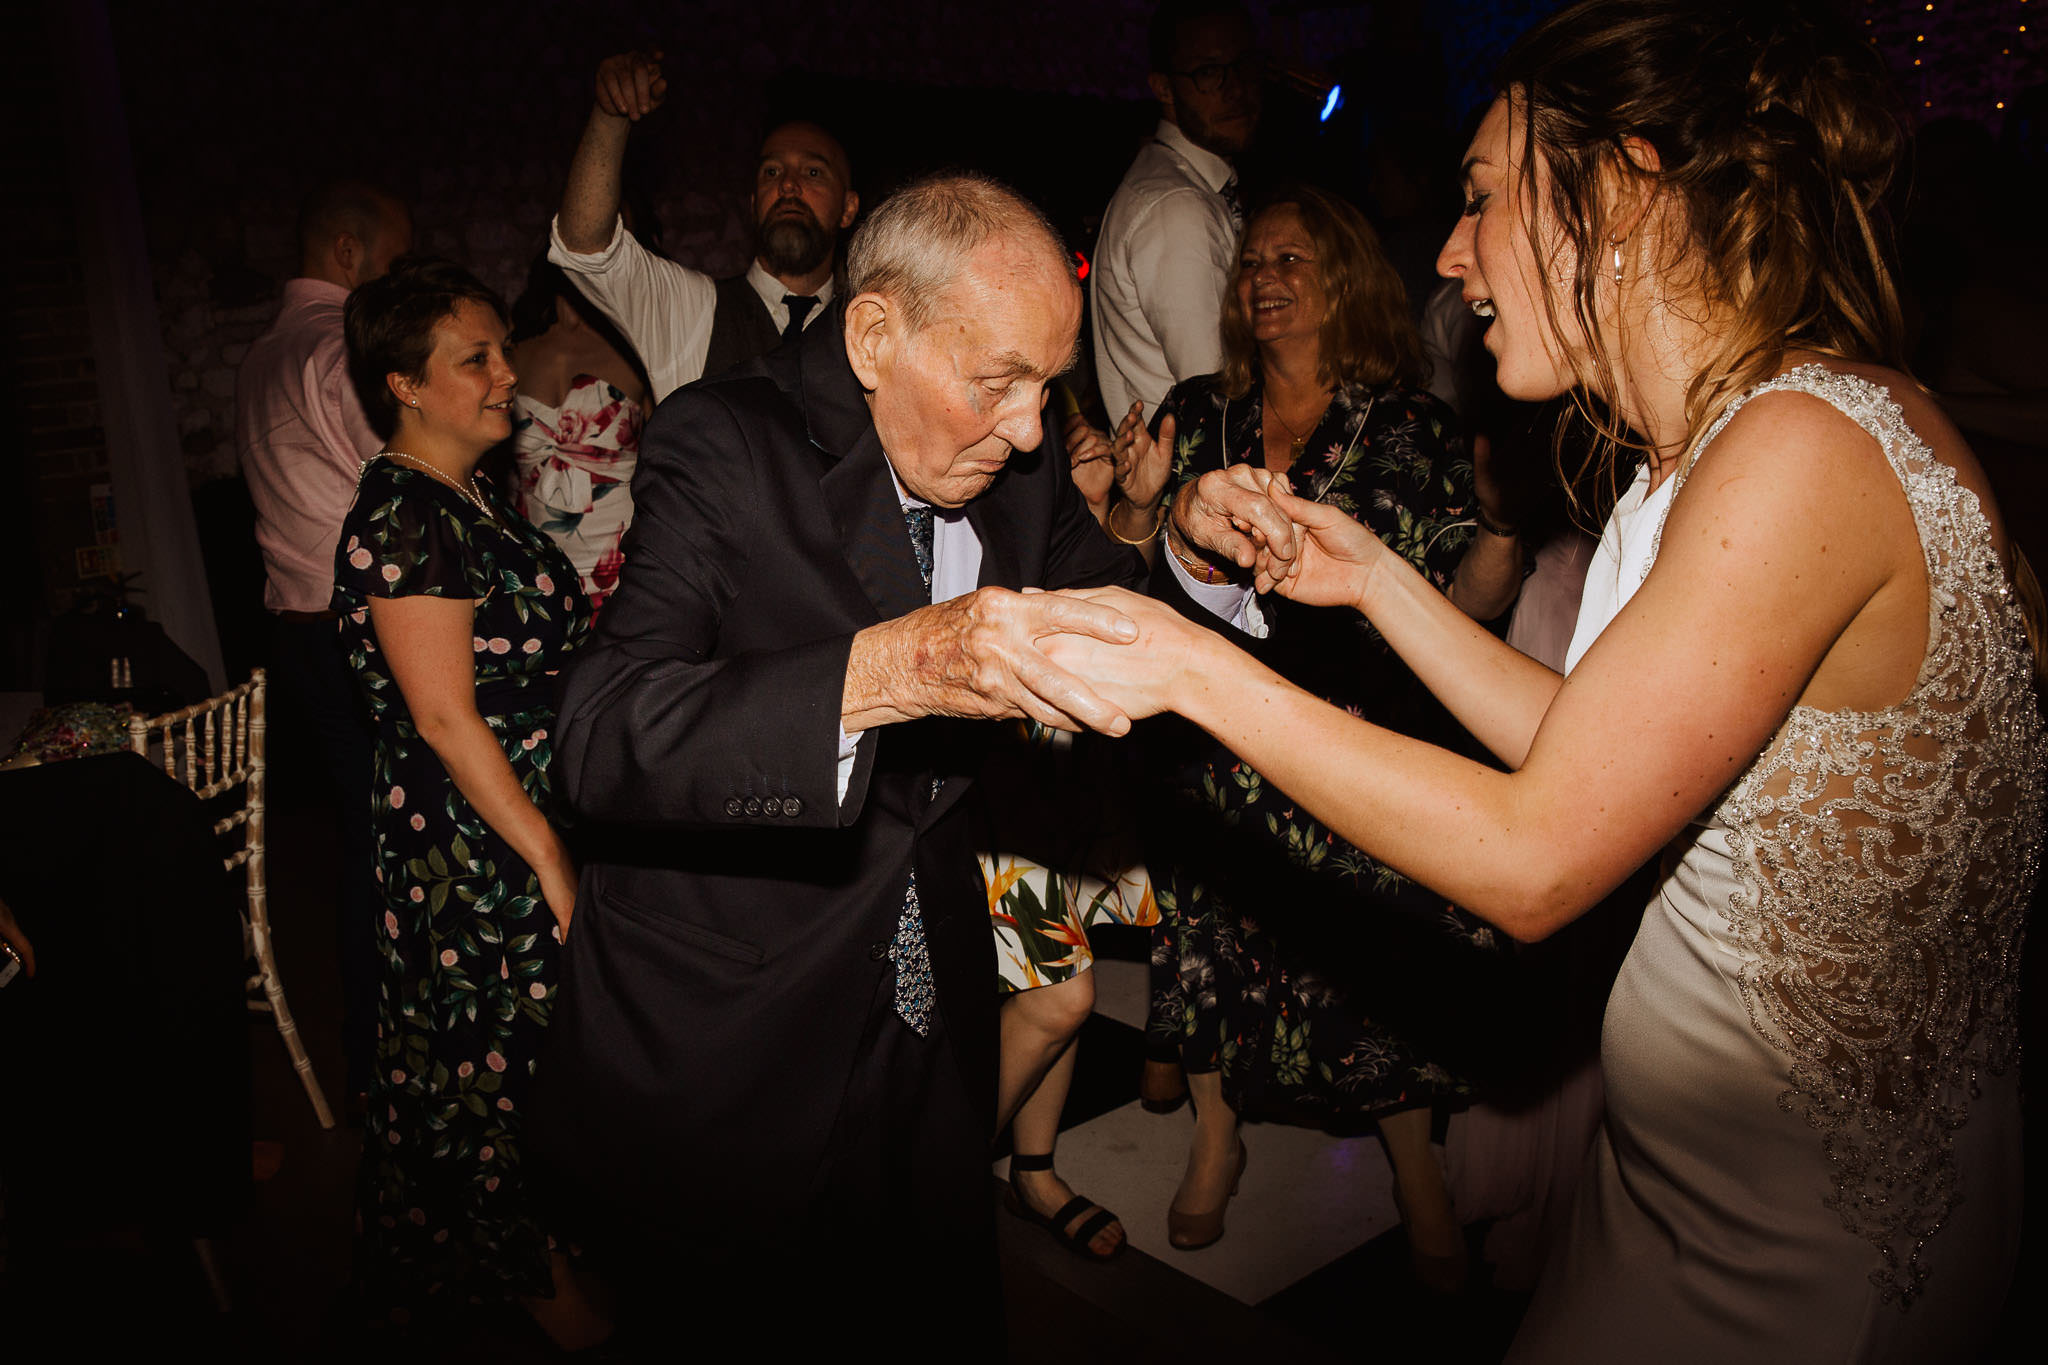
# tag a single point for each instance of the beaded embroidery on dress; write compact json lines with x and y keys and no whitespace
{"x":1885,"y":860}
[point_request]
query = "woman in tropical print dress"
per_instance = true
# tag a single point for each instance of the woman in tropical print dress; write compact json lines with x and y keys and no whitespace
{"x":1277,"y":972}
{"x":457,"y":614}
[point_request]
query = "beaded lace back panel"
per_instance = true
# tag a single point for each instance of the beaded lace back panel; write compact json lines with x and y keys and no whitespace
{"x":1885,"y":860}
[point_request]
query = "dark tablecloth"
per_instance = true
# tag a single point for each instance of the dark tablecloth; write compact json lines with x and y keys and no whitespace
{"x":124,"y":1064}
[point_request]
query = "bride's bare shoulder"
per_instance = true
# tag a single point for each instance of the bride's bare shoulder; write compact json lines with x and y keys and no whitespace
{"x":1923,"y":413}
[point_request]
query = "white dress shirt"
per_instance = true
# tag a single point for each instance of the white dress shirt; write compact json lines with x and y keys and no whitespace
{"x":1162,"y":261}
{"x":664,"y":309}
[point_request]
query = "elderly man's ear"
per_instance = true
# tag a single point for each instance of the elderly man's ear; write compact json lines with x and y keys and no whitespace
{"x":872,"y":331}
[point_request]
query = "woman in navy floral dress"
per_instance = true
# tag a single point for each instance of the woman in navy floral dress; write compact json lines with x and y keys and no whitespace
{"x":458,"y":615}
{"x":1291,"y":971}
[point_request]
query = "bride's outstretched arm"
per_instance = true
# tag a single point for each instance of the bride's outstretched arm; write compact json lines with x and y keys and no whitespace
{"x":1495,"y":691}
{"x":1789,"y":531}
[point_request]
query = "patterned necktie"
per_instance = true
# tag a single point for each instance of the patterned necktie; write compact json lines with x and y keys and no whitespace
{"x":919,"y":522}
{"x":907,"y":948}
{"x":1234,"y":201}
{"x":799,"y":306}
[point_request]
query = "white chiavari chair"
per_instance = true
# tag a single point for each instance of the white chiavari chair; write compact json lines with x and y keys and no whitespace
{"x":215,"y":747}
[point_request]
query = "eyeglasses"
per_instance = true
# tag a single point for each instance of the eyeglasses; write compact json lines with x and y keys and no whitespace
{"x":1209,"y":77}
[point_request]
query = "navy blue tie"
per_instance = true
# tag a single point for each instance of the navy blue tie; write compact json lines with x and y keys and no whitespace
{"x":799,"y":306}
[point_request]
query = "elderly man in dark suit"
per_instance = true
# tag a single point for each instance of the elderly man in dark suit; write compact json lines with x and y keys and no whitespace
{"x":772,"y":1063}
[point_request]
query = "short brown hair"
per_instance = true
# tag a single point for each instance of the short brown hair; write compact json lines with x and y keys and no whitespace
{"x":389,"y":324}
{"x":1367,"y":336}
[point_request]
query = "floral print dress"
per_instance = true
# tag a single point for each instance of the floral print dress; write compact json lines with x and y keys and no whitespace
{"x":1296,"y":965}
{"x":575,"y":468}
{"x":468,"y":945}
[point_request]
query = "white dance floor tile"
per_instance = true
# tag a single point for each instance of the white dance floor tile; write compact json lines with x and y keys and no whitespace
{"x":1307,"y":1198}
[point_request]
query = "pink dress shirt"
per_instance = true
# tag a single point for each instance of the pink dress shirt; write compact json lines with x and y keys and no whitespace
{"x":302,"y":437}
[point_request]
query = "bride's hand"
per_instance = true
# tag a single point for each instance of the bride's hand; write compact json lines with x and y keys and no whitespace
{"x":1139,"y":678}
{"x":1334,"y":555}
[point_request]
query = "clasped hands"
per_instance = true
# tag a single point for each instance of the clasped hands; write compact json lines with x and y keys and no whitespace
{"x":1242,"y":516}
{"x":1251,"y":519}
{"x":1100,"y":658}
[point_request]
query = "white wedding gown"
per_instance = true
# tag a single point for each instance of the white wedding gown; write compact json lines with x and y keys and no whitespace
{"x":1811,"y":1150}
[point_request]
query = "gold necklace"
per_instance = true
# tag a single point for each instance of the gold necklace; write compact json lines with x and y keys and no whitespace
{"x":471,"y":493}
{"x":1297,"y":441}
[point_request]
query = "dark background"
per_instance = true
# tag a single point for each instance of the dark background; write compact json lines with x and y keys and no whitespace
{"x":233,"y":109}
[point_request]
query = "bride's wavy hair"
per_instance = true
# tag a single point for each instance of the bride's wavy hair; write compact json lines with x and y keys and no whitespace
{"x":1776,"y":135}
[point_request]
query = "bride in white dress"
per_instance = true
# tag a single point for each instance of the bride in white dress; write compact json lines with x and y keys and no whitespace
{"x":1801,"y":682}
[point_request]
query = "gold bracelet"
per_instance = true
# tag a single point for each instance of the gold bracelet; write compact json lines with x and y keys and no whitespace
{"x":1158,"y":525}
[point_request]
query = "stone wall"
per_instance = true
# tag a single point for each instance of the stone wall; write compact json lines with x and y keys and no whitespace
{"x":473,"y":116}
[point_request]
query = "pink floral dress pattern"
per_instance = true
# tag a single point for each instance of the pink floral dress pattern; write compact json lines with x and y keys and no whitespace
{"x":468,"y":945}
{"x":575,"y":472}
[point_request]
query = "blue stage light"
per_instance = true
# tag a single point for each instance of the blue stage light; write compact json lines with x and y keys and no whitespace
{"x":1336,"y":97}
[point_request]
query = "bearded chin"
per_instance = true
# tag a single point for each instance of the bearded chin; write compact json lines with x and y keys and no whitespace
{"x":794,"y":246}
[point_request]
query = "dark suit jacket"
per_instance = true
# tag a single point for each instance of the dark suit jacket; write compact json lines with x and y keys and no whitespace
{"x":734,"y":914}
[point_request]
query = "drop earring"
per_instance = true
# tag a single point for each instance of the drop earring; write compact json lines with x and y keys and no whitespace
{"x":1617,"y":262}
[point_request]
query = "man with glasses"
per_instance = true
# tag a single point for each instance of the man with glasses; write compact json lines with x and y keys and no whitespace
{"x":1169,"y":235}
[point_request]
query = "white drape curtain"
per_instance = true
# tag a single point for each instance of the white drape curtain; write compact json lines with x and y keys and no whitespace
{"x":152,"y":496}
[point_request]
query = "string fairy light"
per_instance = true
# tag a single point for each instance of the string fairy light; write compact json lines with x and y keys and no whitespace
{"x":1946,"y":58}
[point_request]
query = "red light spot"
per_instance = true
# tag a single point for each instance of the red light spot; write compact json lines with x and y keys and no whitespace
{"x":1080,"y":266}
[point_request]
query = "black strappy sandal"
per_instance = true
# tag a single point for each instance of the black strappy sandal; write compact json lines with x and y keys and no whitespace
{"x":1077,"y":1241}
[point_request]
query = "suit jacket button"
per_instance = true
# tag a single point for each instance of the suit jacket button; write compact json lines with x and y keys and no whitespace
{"x":878,"y":952}
{"x":771,"y":806}
{"x":733,"y":805}
{"x":753,"y":805}
{"x":792,"y":806}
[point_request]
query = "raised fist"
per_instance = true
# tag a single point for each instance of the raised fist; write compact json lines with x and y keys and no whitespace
{"x":630,"y":85}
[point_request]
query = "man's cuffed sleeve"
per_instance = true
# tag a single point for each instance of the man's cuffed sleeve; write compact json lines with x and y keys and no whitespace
{"x":849,"y":750}
{"x":1232,"y":602}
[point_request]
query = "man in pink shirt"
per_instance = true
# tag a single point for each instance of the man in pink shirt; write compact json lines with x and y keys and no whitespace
{"x":301,"y":435}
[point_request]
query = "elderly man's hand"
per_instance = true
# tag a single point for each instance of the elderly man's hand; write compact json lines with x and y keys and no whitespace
{"x":630,"y":85}
{"x":1226,"y":517}
{"x":978,"y":656}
